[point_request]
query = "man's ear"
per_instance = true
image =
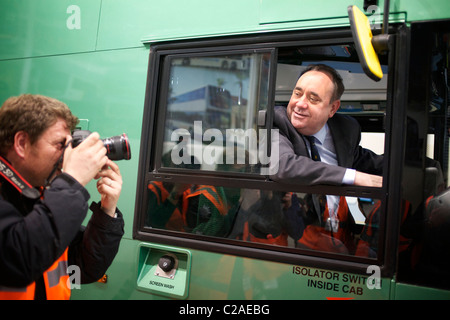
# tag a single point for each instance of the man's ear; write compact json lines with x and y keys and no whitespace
{"x":21,"y":143}
{"x":334,"y":107}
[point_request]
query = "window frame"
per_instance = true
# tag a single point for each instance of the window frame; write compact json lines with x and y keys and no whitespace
{"x":157,"y":87}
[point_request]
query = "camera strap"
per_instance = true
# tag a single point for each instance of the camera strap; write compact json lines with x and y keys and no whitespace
{"x":13,"y":177}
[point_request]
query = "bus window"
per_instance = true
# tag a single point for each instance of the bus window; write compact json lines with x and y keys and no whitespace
{"x":204,"y":180}
{"x":213,"y":105}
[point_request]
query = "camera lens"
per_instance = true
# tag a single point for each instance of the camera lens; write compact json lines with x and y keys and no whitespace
{"x":118,"y":147}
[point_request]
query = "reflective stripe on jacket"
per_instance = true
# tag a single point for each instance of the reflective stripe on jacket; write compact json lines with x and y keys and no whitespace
{"x":210,"y":193}
{"x":55,"y":279}
{"x":162,"y":213}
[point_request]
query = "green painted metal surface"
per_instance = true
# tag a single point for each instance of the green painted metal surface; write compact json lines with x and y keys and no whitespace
{"x":30,"y":28}
{"x":411,"y":292}
{"x":35,"y":28}
{"x":220,"y":277}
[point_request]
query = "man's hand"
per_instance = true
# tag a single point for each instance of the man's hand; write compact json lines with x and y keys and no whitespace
{"x":368,"y":180}
{"x":86,"y":160}
{"x":109,"y":186}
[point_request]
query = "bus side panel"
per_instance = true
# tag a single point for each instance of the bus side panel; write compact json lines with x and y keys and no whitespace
{"x":36,"y":28}
{"x":290,"y":11}
{"x":126,"y":25}
{"x":273,"y":11}
{"x":224,"y":277}
{"x":405,"y":291}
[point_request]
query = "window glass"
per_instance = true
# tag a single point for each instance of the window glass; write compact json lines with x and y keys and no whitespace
{"x":215,"y":113}
{"x":335,"y":224}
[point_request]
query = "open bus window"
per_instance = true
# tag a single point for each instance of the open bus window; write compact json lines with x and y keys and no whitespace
{"x":215,"y":108}
{"x":363,"y":98}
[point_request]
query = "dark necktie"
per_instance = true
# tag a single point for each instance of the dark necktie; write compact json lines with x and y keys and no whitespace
{"x":314,"y":152}
{"x":333,"y":201}
{"x":318,"y":200}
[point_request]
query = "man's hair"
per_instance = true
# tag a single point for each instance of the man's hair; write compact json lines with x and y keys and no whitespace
{"x":32,"y":114}
{"x":335,"y":77}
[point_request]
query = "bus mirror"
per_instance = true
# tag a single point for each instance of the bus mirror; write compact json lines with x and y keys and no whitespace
{"x":362,"y":35}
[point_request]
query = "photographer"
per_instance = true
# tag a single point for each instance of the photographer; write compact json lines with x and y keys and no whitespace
{"x":43,"y":201}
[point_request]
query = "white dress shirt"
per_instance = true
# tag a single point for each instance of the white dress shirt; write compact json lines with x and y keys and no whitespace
{"x":327,"y":153}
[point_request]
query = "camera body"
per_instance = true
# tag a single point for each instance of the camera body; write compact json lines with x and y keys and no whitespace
{"x":118,"y":147}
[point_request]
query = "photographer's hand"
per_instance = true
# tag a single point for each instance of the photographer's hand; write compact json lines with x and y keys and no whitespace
{"x":109,"y":186}
{"x":86,"y":160}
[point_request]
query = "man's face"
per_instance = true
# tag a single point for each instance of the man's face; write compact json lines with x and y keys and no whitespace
{"x":310,"y":105}
{"x":44,"y":153}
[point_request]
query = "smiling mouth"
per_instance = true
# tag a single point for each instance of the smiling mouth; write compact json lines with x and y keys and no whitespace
{"x":300,"y":115}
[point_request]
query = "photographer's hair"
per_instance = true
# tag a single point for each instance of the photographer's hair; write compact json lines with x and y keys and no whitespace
{"x":32,"y":114}
{"x":335,"y":77}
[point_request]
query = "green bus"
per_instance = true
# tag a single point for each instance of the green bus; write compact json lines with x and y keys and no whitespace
{"x":194,"y":85}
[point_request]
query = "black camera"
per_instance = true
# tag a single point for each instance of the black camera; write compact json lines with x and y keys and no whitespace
{"x":118,"y":147}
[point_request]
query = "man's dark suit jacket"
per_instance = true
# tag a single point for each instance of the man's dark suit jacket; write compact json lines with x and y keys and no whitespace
{"x":295,"y":165}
